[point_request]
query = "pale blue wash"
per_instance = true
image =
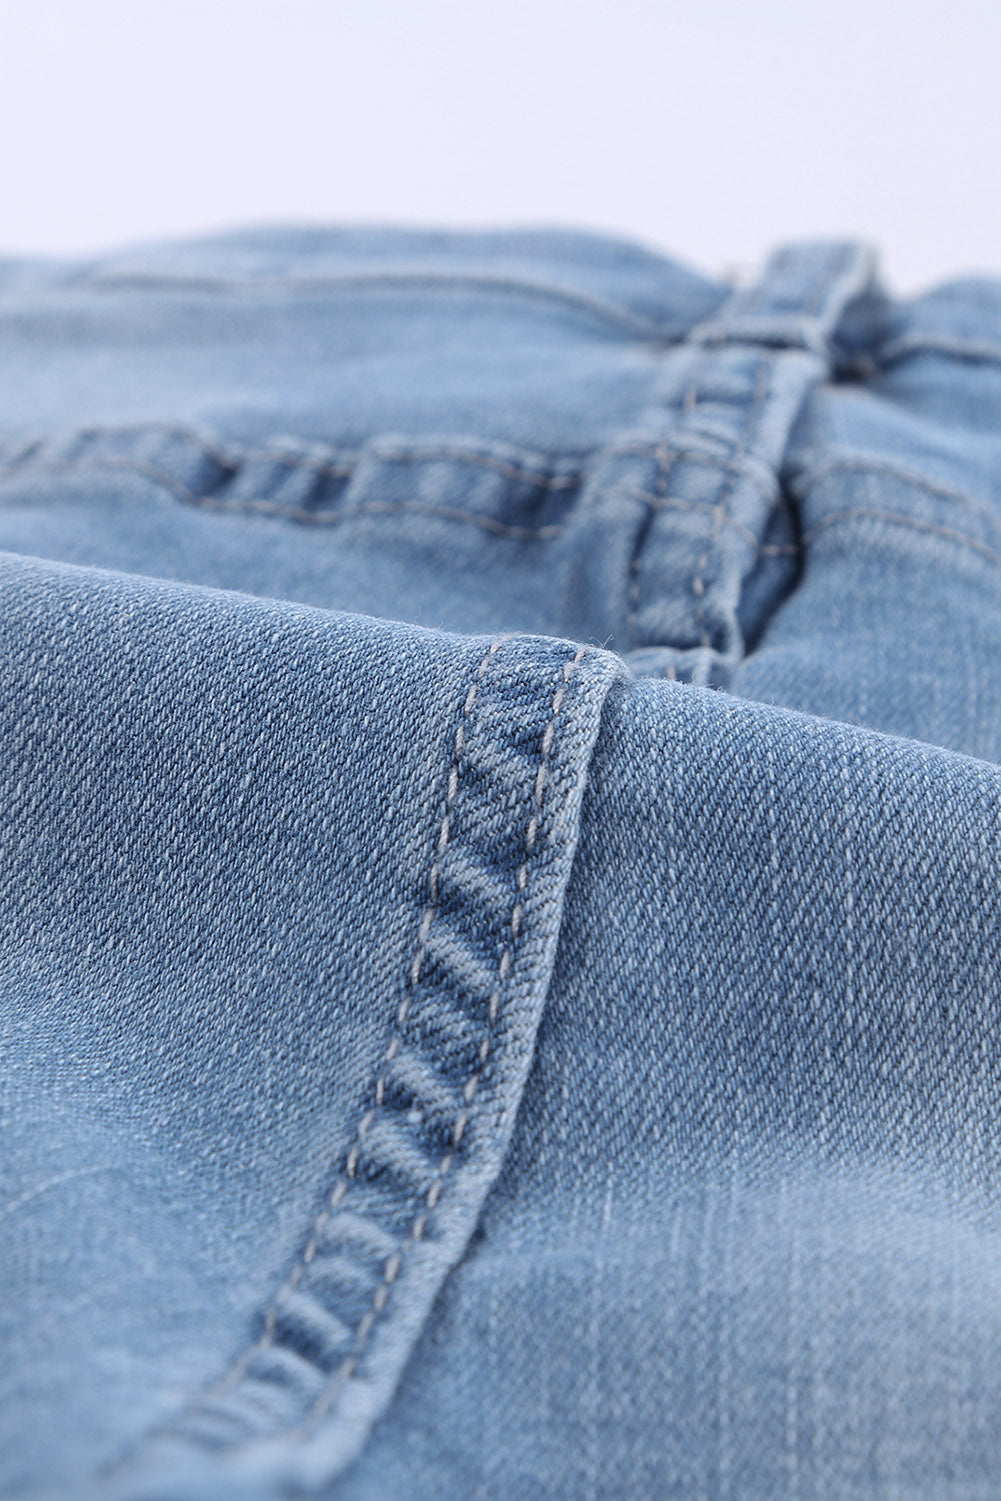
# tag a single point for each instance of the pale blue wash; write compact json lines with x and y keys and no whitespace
{"x":501,"y":875}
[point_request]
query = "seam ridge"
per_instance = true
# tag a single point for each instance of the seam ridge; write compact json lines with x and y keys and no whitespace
{"x":392,"y":1265}
{"x":228,"y":1416}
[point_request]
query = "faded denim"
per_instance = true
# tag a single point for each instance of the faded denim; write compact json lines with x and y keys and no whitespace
{"x":501,"y":875}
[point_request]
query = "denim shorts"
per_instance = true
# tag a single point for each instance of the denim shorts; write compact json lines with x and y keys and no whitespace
{"x":500,"y":970}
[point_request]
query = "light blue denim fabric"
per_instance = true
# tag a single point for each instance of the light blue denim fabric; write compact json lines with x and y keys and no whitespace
{"x":501,"y":875}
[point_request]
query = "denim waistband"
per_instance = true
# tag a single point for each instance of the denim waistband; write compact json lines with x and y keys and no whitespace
{"x":665,"y":512}
{"x":645,"y":540}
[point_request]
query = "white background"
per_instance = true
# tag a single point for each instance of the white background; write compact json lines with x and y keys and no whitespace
{"x":711,"y":129}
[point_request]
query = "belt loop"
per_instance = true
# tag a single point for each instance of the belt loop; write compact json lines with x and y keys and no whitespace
{"x":798,"y":301}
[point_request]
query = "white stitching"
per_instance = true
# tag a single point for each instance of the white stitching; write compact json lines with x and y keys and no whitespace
{"x":254,"y":506}
{"x":762,"y":382}
{"x":748,"y":467}
{"x":236,"y":459}
{"x":672,"y":503}
{"x":349,"y":1365}
{"x":393,"y":1263}
{"x":293,"y":513}
{"x":802,"y":484}
{"x":666,"y":459}
{"x":901,"y":519}
{"x":337,"y":1193}
{"x":809,"y":479}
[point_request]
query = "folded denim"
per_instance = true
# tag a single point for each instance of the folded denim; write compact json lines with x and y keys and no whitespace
{"x":501,"y":871}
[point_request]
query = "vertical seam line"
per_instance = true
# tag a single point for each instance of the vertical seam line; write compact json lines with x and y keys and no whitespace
{"x":267,"y":1336}
{"x":393,"y":1264}
{"x":720,"y":513}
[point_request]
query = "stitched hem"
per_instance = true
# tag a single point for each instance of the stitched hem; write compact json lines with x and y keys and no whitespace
{"x":297,"y":1403}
